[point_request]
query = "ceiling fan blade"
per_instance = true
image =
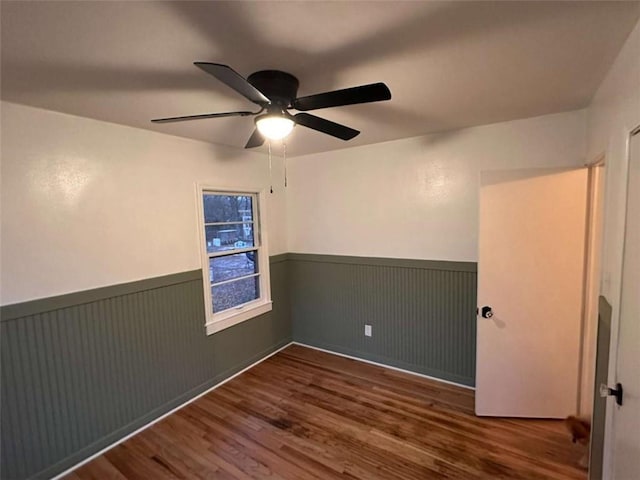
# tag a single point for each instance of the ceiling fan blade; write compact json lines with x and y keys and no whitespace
{"x":325,"y":126}
{"x":200,"y":117}
{"x":374,"y":92}
{"x":233,"y":79}
{"x":255,"y":140}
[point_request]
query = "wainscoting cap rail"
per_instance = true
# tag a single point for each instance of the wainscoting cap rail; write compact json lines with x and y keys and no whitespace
{"x":445,"y":265}
{"x":41,"y":305}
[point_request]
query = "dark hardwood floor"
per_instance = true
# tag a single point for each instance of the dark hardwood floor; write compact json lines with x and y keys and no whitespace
{"x":305,"y":414}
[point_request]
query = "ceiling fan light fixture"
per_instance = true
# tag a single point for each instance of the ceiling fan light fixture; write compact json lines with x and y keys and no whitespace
{"x":276,"y":93}
{"x":274,"y":127}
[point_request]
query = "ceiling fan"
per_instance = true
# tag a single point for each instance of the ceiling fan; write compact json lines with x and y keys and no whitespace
{"x":275,"y":92}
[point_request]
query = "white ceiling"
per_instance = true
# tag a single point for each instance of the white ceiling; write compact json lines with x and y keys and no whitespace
{"x":448,"y":64}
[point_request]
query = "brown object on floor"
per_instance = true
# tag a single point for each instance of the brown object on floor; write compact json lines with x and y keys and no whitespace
{"x":305,"y":414}
{"x":580,"y":429}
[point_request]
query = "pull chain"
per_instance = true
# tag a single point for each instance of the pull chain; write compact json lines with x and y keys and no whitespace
{"x":270,"y":172}
{"x":284,"y":153}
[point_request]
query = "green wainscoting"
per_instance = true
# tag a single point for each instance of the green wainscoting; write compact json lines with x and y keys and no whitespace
{"x":81,"y":371}
{"x":601,"y":376}
{"x":422,"y":313}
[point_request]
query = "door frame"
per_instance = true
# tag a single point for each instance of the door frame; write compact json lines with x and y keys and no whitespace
{"x":616,"y":297}
{"x":591,"y":289}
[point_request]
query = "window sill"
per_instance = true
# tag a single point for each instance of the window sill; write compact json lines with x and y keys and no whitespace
{"x":238,"y":316}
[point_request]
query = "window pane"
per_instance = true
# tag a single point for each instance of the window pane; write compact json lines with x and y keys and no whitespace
{"x":228,"y":237}
{"x":227,"y":208}
{"x":232,"y":266}
{"x":232,"y":294}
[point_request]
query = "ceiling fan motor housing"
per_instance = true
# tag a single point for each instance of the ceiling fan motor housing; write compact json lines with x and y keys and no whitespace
{"x":280,"y":87}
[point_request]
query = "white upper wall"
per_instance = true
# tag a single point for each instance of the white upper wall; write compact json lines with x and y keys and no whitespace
{"x":78,"y":192}
{"x":613,"y":113}
{"x":417,"y":198}
{"x":87,"y":204}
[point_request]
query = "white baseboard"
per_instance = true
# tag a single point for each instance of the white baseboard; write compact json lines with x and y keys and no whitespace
{"x":386,"y":366}
{"x":144,"y":427}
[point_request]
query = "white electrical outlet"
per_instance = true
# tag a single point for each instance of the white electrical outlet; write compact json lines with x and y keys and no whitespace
{"x":367,"y":330}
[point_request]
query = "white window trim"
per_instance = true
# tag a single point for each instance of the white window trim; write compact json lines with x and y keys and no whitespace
{"x":217,"y":322}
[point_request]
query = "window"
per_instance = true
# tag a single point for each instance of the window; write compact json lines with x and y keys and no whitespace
{"x":234,"y":257}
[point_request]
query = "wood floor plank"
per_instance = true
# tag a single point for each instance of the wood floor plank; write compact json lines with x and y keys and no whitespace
{"x":98,"y":469}
{"x":304,"y":414}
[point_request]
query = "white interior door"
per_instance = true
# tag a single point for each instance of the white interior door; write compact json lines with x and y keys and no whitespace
{"x":531,"y":273}
{"x":627,"y":417}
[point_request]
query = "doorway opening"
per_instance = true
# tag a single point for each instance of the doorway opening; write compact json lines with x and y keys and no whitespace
{"x":540,"y":247}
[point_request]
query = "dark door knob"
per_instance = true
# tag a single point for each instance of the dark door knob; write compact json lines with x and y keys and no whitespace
{"x":486,"y":312}
{"x":606,"y":391}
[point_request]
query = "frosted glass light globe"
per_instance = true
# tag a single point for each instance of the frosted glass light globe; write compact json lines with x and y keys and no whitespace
{"x":274,"y":127}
